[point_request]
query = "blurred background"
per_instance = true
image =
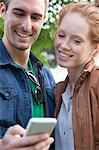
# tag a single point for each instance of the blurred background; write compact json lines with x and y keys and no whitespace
{"x":44,"y":46}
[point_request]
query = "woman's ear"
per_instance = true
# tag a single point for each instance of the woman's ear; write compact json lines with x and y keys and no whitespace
{"x":95,"y":48}
{"x":2,"y":9}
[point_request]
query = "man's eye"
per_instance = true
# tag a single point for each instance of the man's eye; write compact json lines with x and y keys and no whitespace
{"x":19,"y":14}
{"x":35,"y":18}
{"x":60,"y":35}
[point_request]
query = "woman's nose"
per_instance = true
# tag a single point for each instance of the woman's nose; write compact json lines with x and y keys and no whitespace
{"x":66,"y":44}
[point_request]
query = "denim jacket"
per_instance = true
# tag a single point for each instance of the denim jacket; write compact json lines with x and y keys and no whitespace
{"x":15,"y":95}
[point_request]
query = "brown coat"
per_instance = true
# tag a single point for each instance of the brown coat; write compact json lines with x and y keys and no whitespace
{"x":85,"y":113}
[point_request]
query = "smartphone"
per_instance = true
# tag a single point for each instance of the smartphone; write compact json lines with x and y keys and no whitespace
{"x":40,"y":125}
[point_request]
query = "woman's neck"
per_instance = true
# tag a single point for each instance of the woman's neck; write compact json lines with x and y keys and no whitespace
{"x":74,"y":75}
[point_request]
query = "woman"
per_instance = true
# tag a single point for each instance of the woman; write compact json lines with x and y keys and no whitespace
{"x":77,"y":98}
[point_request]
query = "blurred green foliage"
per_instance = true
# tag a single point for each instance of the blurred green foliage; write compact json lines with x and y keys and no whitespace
{"x":1,"y":27}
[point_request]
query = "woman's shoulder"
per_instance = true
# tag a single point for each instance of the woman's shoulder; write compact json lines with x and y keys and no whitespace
{"x":94,"y":75}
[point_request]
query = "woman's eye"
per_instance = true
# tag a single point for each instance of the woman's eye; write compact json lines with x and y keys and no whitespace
{"x":77,"y":41}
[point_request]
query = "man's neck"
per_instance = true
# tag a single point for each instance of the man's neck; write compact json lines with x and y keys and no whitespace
{"x":21,"y":59}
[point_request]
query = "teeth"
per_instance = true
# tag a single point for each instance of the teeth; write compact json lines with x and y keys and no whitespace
{"x":62,"y":54}
{"x":22,"y":35}
{"x":65,"y":56}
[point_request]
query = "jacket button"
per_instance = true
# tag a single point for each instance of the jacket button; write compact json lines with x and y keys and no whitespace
{"x":7,"y":94}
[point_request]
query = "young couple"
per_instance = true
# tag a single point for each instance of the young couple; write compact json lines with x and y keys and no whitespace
{"x":76,"y":103}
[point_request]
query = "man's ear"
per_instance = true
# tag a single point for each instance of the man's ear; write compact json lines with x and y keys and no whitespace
{"x":2,"y":9}
{"x":45,"y":17}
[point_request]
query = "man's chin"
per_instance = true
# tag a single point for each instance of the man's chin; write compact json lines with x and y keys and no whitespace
{"x":22,"y":47}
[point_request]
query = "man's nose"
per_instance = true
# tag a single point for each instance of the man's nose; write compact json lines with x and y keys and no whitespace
{"x":27,"y":24}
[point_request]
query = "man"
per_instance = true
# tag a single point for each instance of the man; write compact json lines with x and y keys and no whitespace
{"x":26,"y":87}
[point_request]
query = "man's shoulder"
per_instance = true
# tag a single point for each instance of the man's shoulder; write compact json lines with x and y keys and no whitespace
{"x":45,"y":71}
{"x":35,"y":60}
{"x":3,"y":49}
{"x":48,"y":76}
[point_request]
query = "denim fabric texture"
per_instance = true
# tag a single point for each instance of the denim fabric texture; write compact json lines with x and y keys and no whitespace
{"x":15,"y":93}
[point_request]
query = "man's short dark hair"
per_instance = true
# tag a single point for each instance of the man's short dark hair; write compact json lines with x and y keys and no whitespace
{"x":2,"y":1}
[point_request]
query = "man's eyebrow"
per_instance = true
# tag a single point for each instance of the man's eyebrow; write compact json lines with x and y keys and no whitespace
{"x":37,"y":14}
{"x":33,"y":13}
{"x":18,"y":9}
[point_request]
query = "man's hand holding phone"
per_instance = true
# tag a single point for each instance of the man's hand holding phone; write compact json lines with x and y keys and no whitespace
{"x":15,"y":138}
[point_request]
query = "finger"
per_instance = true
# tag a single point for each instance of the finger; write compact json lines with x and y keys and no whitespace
{"x":16,"y":130}
{"x":40,"y":146}
{"x":30,"y":140}
{"x":26,"y":141}
{"x":44,"y":145}
{"x":12,"y":134}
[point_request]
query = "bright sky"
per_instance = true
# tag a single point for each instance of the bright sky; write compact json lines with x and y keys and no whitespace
{"x":59,"y":73}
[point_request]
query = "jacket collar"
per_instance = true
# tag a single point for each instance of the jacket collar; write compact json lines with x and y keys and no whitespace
{"x":35,"y":60}
{"x":90,"y":65}
{"x":61,"y":86}
{"x":87,"y":69}
{"x":5,"y":57}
